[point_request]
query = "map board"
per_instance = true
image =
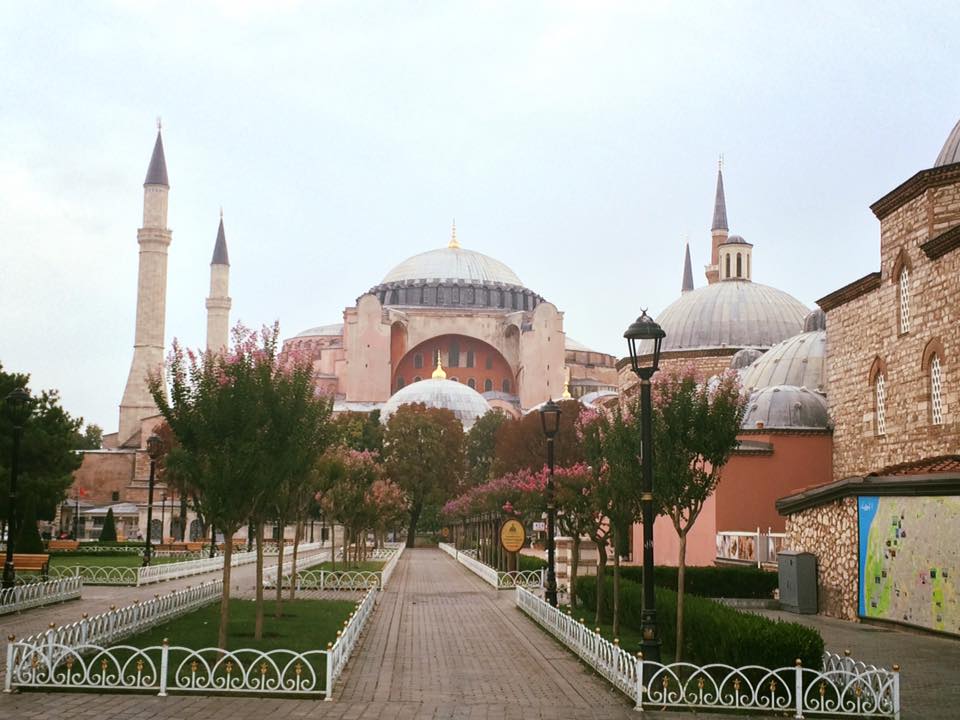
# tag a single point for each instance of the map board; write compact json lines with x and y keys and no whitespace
{"x":910,"y":560}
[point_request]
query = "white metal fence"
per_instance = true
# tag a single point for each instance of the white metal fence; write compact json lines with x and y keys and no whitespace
{"x":344,"y":579}
{"x":497,"y":578}
{"x":76,"y":656}
{"x":35,"y":594}
{"x":843,"y":688}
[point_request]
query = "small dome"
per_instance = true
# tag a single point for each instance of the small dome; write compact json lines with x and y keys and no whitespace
{"x":800,"y":361}
{"x":453,"y":263}
{"x":735,"y":240}
{"x":817,"y":320}
{"x":744,"y":358}
{"x":465,"y":402}
{"x":730,"y":315}
{"x":786,"y":407}
{"x":950,"y":152}
{"x":323,"y":331}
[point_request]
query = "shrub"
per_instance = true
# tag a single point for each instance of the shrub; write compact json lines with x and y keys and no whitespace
{"x":109,"y":531}
{"x":712,"y":581}
{"x":529,"y":562}
{"x":714,"y":633}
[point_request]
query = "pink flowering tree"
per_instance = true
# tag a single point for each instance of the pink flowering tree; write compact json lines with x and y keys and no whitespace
{"x":350,"y":476}
{"x":576,"y":513}
{"x":390,"y":507}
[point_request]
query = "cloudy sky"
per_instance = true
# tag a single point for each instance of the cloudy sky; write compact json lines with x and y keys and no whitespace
{"x":575,"y":141}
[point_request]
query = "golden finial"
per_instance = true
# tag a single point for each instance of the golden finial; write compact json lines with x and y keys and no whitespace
{"x":439,"y":373}
{"x":454,"y":243}
{"x":566,"y":385}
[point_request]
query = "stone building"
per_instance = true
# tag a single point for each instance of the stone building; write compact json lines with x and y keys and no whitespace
{"x":894,"y":397}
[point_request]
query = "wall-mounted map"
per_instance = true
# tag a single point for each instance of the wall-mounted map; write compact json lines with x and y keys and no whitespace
{"x":910,"y":560}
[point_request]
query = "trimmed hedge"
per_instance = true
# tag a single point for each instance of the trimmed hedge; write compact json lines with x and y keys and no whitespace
{"x":711,"y":581}
{"x":529,"y":562}
{"x":713,"y":633}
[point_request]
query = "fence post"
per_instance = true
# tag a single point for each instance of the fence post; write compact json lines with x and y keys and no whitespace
{"x":164,"y":662}
{"x":798,"y":689}
{"x":639,"y":706}
{"x":328,"y":691}
{"x":896,"y":692}
{"x":8,"y":682}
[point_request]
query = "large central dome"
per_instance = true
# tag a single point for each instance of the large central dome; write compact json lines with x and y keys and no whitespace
{"x":453,"y":263}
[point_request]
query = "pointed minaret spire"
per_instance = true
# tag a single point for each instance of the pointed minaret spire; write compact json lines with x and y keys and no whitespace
{"x":219,"y":302}
{"x":157,"y":172}
{"x":687,"y":272}
{"x":719,"y":202}
{"x":454,"y":243}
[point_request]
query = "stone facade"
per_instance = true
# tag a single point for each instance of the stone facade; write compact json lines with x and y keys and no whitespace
{"x":218,"y":308}
{"x":864,"y":335}
{"x":829,"y":531}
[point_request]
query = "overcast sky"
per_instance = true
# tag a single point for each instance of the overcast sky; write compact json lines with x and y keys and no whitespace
{"x":576,"y":142}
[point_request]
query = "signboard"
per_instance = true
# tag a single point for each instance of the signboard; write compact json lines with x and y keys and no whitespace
{"x":512,"y":535}
{"x":445,"y":532}
{"x":910,"y":560}
{"x":539,"y":526}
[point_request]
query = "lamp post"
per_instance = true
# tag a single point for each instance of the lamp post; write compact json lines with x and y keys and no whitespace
{"x":163,"y":511}
{"x":645,"y":329}
{"x":18,"y":403}
{"x":154,"y":450}
{"x":76,"y":517}
{"x":550,"y":420}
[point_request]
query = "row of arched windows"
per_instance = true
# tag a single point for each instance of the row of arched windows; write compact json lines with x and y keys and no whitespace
{"x":453,"y":358}
{"x":932,"y":365}
{"x":505,"y":385}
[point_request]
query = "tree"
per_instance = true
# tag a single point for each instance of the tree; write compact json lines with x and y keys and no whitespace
{"x":521,"y":444}
{"x":695,"y":428}
{"x":575,"y":513}
{"x":91,"y":438}
{"x":28,"y":537}
{"x":423,"y":454}
{"x":109,"y":531}
{"x":358,"y":430}
{"x":47,"y":452}
{"x":481,"y":446}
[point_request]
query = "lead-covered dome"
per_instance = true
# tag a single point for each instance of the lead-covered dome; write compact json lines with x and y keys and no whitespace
{"x":465,"y":402}
{"x":453,"y":263}
{"x":786,"y":407}
{"x":800,"y":361}
{"x":950,"y":152}
{"x":730,"y":314}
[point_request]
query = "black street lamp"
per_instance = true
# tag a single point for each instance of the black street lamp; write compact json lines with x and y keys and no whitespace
{"x":163,"y":511}
{"x":644,"y":328}
{"x":550,"y":420}
{"x":154,"y":450}
{"x":18,"y":403}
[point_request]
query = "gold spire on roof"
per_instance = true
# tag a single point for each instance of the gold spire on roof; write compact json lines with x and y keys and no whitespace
{"x":439,"y":373}
{"x":566,"y":386}
{"x":454,"y":243}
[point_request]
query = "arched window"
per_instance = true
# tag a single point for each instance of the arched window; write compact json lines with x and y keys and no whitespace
{"x":506,"y":385}
{"x":880,"y":403}
{"x":455,"y":379}
{"x":418,"y":361}
{"x":489,"y":363}
{"x":469,"y":358}
{"x":748,"y":266}
{"x":936,"y":391}
{"x":728,"y":267}
{"x":472,"y":383}
{"x":417,"y":378}
{"x":453,"y":354}
{"x":739,"y":265}
{"x":400,"y":382}
{"x":488,"y":385}
{"x":903,"y":292}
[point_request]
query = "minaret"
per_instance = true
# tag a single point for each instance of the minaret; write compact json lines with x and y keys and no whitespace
{"x":687,"y":273}
{"x":218,"y":304}
{"x":719,"y":229}
{"x":153,"y":238}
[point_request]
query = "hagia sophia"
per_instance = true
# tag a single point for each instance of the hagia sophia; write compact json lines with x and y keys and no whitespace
{"x":850,"y":401}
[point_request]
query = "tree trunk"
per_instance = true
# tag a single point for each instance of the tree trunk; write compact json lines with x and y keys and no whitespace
{"x":681,"y":571}
{"x":574,"y":566}
{"x":183,"y":517}
{"x":293,"y":564}
{"x":616,"y":583}
{"x":601,"y":567}
{"x":278,"y":610}
{"x":415,"y":511}
{"x":225,"y":598}
{"x":213,"y":539}
{"x":258,"y":621}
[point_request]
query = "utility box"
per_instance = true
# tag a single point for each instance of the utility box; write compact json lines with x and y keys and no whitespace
{"x":798,"y":581}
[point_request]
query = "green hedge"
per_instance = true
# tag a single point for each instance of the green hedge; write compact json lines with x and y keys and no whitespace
{"x":711,"y":581}
{"x":529,"y":562}
{"x":713,"y":633}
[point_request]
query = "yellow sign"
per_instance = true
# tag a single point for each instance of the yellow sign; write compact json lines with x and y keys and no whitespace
{"x":512,"y":535}
{"x":445,"y":532}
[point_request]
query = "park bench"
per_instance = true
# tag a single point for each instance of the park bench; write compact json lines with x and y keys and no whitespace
{"x":31,"y":562}
{"x":191,"y":547}
{"x":63,"y":545}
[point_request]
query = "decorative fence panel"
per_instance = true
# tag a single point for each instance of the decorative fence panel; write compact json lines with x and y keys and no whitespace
{"x":344,"y":579}
{"x":844,"y":688}
{"x":347,"y":639}
{"x":35,"y":594}
{"x":498,"y":578}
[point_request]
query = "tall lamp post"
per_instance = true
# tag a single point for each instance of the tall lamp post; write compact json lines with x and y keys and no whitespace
{"x":18,"y":403}
{"x":645,"y":329}
{"x":163,"y":511}
{"x":154,"y":449}
{"x":550,"y":420}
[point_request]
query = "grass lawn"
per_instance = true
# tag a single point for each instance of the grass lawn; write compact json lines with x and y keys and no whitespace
{"x":366,"y":565}
{"x":306,"y":625}
{"x":101,"y":560}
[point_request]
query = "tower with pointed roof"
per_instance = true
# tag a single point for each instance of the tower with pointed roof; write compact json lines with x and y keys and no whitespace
{"x":719,"y":230}
{"x":687,"y":273}
{"x":153,"y":239}
{"x":219,"y":302}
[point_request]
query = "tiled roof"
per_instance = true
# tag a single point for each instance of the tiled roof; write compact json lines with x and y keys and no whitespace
{"x":927,"y":466}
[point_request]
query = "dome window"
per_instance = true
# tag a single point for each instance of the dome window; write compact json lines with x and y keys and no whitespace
{"x":400,"y":382}
{"x":739,"y":265}
{"x":506,"y":385}
{"x":472,"y":383}
{"x":488,"y":385}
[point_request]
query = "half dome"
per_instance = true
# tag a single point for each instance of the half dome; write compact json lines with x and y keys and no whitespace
{"x":730,"y":314}
{"x":453,"y":263}
{"x":950,"y":152}
{"x":800,"y":361}
{"x":464,"y":402}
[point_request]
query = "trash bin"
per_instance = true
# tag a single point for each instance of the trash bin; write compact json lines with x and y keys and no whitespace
{"x":797,"y":573}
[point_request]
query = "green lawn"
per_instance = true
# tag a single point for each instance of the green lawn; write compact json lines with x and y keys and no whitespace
{"x":366,"y":565}
{"x":107,"y":560}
